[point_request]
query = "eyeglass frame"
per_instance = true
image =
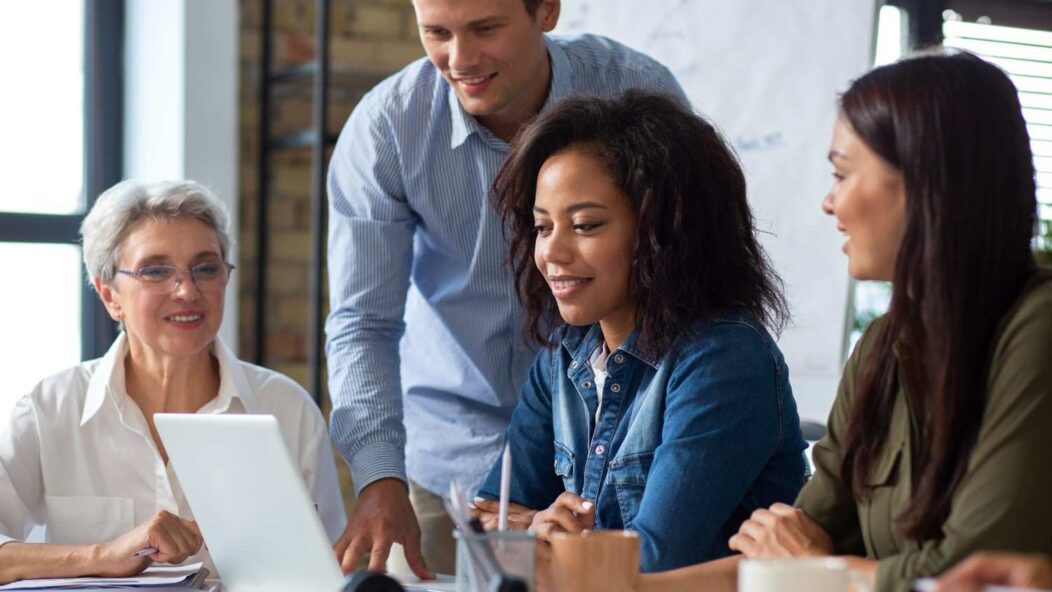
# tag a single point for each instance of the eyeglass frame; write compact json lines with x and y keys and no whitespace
{"x":179,"y":273}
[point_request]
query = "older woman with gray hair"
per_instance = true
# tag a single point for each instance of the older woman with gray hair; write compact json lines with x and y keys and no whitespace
{"x":80,"y":454}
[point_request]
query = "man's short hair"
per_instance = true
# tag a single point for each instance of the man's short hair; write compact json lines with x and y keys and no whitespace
{"x":531,"y":6}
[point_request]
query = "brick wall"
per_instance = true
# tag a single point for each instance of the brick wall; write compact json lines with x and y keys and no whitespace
{"x":370,"y":39}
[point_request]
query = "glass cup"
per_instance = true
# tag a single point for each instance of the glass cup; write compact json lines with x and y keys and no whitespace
{"x":514,"y":551}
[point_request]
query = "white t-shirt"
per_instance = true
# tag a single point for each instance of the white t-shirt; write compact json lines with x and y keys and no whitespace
{"x":598,"y":363}
{"x":77,"y":457}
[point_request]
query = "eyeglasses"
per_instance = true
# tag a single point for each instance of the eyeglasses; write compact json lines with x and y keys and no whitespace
{"x":164,"y":279}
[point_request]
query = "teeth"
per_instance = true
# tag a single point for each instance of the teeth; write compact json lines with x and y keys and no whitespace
{"x":185,"y":318}
{"x":565,"y":284}
{"x":478,"y":80}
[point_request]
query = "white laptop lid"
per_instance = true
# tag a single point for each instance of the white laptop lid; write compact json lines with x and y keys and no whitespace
{"x":250,"y":502}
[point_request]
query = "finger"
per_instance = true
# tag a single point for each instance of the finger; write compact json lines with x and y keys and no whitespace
{"x":563,"y":517}
{"x":167,"y":549}
{"x":743,"y":544}
{"x":415,"y":558}
{"x":343,"y":542}
{"x":489,"y":522}
{"x":357,"y":549}
{"x":764,"y":517}
{"x":781,"y":509}
{"x":378,"y":554}
{"x":544,"y":530}
{"x":568,"y":499}
{"x":184,"y":536}
{"x":486,"y":505}
{"x":753,"y":529}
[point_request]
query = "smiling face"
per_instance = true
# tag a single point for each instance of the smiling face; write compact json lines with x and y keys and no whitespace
{"x":868,"y":199}
{"x":180,"y":323}
{"x":586,"y":234}
{"x":492,"y":53}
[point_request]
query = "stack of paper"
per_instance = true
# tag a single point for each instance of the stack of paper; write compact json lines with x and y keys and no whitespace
{"x":179,"y":576}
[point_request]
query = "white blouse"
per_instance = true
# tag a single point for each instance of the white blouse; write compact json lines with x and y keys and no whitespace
{"x":77,"y":457}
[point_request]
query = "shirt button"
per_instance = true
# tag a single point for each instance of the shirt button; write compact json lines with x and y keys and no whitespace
{"x":600,"y":450}
{"x":587,"y":384}
{"x":615,"y":388}
{"x":619,"y":358}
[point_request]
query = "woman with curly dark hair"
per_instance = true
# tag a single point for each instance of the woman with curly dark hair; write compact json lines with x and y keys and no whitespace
{"x":659,"y":402}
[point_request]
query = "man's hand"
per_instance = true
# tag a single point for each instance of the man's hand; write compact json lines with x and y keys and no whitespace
{"x":569,"y":513}
{"x":488,"y":513}
{"x":382,"y":516}
{"x":174,"y":538}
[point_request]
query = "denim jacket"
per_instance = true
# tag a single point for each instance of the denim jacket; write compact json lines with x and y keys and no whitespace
{"x":686,"y":445}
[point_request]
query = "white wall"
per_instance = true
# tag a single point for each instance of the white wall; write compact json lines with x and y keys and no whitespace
{"x":181,"y":102}
{"x":767,"y":74}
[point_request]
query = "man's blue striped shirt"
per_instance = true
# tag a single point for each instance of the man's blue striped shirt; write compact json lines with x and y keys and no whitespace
{"x":425,"y":350}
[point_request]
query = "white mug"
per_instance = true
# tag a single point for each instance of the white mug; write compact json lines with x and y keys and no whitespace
{"x":808,"y":574}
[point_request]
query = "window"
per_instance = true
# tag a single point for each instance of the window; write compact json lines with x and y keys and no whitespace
{"x":60,"y":146}
{"x":1026,"y":56}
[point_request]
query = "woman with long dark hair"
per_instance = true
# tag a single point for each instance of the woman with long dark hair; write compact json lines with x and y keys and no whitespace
{"x":659,"y":401}
{"x":939,"y":435}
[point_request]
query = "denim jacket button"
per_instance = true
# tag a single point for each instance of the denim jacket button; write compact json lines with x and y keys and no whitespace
{"x":600,"y":450}
{"x":615,"y":388}
{"x":619,"y":358}
{"x":587,"y":384}
{"x":573,"y":364}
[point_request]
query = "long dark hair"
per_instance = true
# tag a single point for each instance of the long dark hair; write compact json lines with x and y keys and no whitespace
{"x":696,"y":251}
{"x":952,"y":125}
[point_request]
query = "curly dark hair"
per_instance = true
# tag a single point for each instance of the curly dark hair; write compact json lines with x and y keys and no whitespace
{"x":696,"y":253}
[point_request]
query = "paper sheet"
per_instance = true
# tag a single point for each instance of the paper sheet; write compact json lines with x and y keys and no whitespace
{"x":157,"y":575}
{"x":443,"y":583}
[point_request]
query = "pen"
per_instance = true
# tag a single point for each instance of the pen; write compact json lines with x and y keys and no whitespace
{"x":144,"y":552}
{"x":505,"y":488}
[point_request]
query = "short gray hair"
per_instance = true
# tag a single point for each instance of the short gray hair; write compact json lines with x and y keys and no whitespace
{"x":121,"y":207}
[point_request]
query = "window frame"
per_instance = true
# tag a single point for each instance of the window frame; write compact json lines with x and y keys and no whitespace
{"x":103,"y":160}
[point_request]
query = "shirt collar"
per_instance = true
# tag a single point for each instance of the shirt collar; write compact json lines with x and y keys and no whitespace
{"x":465,"y":124}
{"x":580,"y":342}
{"x":108,"y":379}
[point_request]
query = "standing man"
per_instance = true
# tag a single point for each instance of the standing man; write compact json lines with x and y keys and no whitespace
{"x":426,"y":355}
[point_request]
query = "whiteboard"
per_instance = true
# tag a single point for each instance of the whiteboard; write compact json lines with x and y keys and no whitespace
{"x":767,"y":73}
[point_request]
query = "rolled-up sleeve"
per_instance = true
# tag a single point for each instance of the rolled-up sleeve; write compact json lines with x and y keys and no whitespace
{"x":370,"y":256}
{"x":1002,"y":502}
{"x":21,"y":479}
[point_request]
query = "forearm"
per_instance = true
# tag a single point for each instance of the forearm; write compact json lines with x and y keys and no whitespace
{"x":720,"y":575}
{"x":367,"y":417}
{"x":21,"y":561}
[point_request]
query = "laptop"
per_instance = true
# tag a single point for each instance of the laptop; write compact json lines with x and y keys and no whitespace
{"x":250,"y":502}
{"x":252,"y":507}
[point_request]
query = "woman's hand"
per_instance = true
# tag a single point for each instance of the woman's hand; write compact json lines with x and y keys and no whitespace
{"x":174,"y":538}
{"x":998,"y":569}
{"x":488,"y":513}
{"x":782,"y":531}
{"x":569,"y":513}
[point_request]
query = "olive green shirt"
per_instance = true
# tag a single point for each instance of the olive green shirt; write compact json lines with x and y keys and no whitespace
{"x":1004,"y":502}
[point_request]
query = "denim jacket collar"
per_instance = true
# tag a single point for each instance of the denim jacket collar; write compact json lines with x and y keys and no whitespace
{"x":580,"y":342}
